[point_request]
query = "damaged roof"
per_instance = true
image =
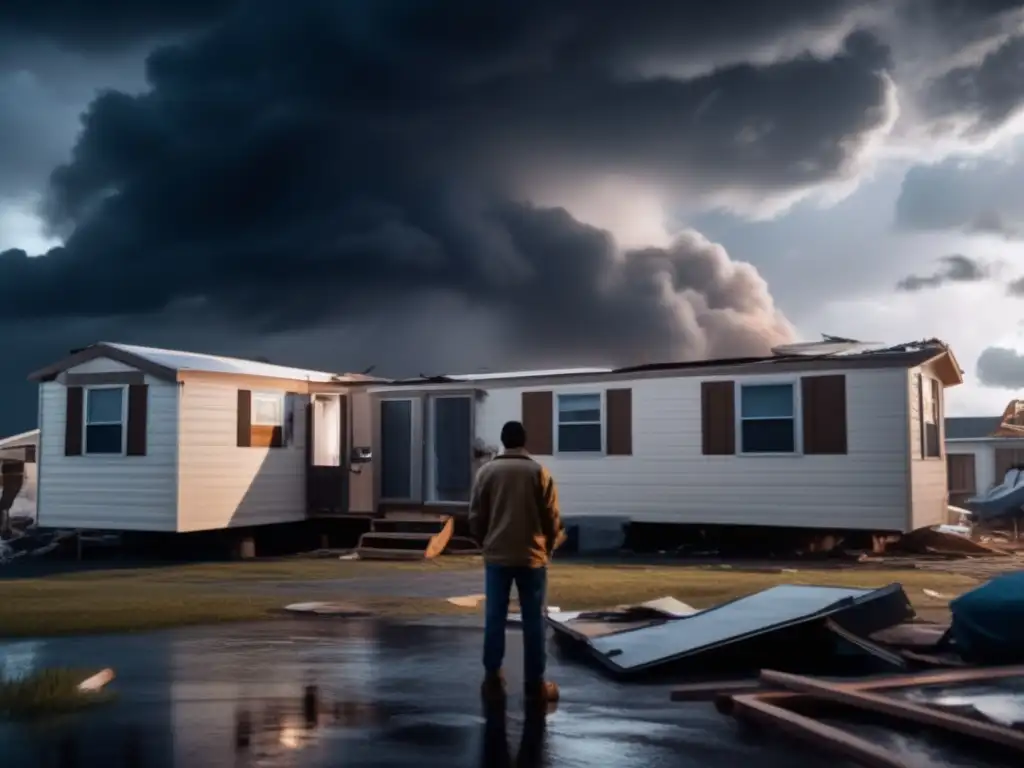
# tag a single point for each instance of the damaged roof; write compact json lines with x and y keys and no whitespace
{"x":167,"y":363}
{"x":908,"y":355}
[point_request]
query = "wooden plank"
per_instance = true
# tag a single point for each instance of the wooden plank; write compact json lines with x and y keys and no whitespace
{"x":723,"y":702}
{"x":440,"y":541}
{"x":902,"y":710}
{"x":820,"y":735}
{"x":710,"y":690}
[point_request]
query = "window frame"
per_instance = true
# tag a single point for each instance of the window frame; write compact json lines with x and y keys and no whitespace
{"x":798,"y":442}
{"x":267,"y":395}
{"x":931,"y":413}
{"x":86,"y":394}
{"x":556,"y":418}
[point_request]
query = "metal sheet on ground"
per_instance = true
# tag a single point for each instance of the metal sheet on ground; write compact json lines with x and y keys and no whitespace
{"x":778,"y":606}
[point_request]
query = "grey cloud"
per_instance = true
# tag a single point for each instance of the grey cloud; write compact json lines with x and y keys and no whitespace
{"x":1016,"y":288}
{"x":986,"y":94}
{"x":955,"y":268}
{"x":984,"y":196}
{"x":290,"y":190}
{"x":1001,"y":367}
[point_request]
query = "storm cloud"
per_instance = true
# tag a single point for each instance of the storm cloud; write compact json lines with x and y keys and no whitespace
{"x":973,"y":195}
{"x":1001,"y":367}
{"x":356,"y":153}
{"x":356,"y":172}
{"x":955,"y":268}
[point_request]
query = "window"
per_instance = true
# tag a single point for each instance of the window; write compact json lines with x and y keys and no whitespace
{"x":931,"y":418}
{"x":104,"y":420}
{"x":767,"y":418}
{"x":267,"y":409}
{"x":579,"y":424}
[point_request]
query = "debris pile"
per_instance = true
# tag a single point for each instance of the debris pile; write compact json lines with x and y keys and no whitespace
{"x":782,"y":658}
{"x":963,"y":708}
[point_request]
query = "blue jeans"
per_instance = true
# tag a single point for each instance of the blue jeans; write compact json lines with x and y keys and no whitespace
{"x":531,"y":584}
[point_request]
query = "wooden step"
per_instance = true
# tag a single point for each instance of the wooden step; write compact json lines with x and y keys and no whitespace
{"x":380,"y":545}
{"x":387,"y":525}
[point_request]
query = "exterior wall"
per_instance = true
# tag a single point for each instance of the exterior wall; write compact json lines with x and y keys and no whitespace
{"x":131,"y":493}
{"x":667,"y":479}
{"x":929,"y":497}
{"x":221,"y":485}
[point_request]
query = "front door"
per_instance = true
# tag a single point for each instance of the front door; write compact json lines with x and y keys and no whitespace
{"x":328,"y":466}
{"x":449,"y":465}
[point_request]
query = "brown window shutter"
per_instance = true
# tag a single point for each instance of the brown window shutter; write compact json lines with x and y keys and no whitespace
{"x":619,"y":434}
{"x":538,"y":421}
{"x":823,"y":400}
{"x":74,"y":418}
{"x":960,"y":473}
{"x":244,"y":418}
{"x":718,"y":418}
{"x":30,"y":454}
{"x":138,"y":394}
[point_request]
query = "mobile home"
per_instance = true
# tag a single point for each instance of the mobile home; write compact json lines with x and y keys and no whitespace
{"x":143,"y":439}
{"x":980,"y":450}
{"x":823,"y":441}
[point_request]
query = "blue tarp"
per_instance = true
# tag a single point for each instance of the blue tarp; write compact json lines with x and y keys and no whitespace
{"x":988,"y":622}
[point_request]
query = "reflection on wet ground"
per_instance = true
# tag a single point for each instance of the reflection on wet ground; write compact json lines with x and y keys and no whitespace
{"x":327,"y":693}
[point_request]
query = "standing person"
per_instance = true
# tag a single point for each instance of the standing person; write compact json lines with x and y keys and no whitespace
{"x":513,"y":513}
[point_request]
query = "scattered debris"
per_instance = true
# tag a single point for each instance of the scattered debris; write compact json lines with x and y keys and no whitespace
{"x":344,"y":610}
{"x":935,"y":541}
{"x":97,"y":682}
{"x":936,"y":595}
{"x":786,"y":622}
{"x":791,"y":703}
{"x":988,"y":622}
{"x":467,"y":601}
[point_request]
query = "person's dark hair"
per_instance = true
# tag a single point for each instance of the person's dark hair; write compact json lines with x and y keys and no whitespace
{"x":513,"y":435}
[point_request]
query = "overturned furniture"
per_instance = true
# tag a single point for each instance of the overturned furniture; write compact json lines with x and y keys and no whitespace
{"x":406,"y":536}
{"x":789,"y":626}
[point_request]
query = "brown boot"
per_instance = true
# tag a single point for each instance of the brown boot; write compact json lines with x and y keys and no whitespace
{"x":544,"y":691}
{"x":493,"y":686}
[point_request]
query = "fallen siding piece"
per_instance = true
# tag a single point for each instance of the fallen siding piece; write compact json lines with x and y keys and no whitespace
{"x":820,"y":735}
{"x":723,"y":702}
{"x":97,"y":682}
{"x":902,"y":710}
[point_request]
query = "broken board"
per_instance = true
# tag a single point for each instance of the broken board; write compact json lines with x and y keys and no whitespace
{"x":773,"y":610}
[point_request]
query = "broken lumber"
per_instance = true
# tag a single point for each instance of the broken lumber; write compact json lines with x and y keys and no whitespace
{"x":723,"y":701}
{"x":902,"y":710}
{"x":820,"y":735}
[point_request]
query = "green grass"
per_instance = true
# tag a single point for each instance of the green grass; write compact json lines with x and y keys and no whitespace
{"x":125,"y":600}
{"x":48,"y":692}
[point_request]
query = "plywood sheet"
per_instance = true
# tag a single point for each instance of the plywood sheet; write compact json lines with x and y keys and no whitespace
{"x":773,"y":608}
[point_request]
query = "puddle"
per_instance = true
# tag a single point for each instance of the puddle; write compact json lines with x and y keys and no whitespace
{"x":387,"y":695}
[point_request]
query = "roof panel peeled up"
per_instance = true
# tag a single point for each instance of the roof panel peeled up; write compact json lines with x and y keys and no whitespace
{"x":638,"y":649}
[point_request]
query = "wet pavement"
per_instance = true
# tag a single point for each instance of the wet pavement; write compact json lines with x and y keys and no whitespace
{"x":388,"y":695}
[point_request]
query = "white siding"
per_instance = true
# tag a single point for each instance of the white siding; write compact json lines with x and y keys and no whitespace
{"x":222,"y":485}
{"x":928,"y":477}
{"x":131,"y":493}
{"x":668,"y":479}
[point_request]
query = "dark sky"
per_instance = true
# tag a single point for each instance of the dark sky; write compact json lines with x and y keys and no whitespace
{"x":337,"y":184}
